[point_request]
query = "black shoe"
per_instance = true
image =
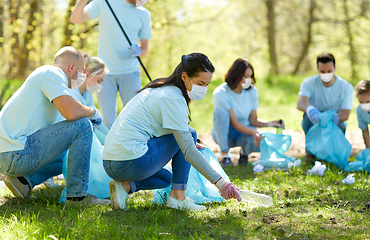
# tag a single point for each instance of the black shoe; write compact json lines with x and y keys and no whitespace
{"x":243,"y":160}
{"x":311,"y":158}
{"x":226,"y":162}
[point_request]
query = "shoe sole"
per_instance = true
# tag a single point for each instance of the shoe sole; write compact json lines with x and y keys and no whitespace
{"x":13,"y":189}
{"x":114,"y":200}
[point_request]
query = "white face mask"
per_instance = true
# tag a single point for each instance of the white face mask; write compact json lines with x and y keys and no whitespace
{"x":140,"y":3}
{"x":94,"y":88}
{"x":197,"y":92}
{"x":365,"y":106}
{"x":247,"y":84}
{"x":76,"y":83}
{"x":326,"y":77}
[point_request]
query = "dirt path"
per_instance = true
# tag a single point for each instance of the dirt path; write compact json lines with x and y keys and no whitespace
{"x":296,"y":149}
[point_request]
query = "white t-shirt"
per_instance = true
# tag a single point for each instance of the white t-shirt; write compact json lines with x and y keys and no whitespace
{"x":154,"y":112}
{"x":336,"y":97}
{"x":113,"y":45}
{"x":30,"y":108}
{"x":242,"y":104}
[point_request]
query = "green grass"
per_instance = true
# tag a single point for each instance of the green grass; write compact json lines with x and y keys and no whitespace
{"x":305,"y":207}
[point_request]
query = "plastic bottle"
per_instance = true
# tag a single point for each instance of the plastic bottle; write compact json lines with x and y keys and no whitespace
{"x":257,"y":198}
{"x":279,"y":130}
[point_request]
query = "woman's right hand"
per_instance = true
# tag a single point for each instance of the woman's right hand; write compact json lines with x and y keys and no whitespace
{"x":277,"y":123}
{"x":257,"y":138}
{"x":229,"y":190}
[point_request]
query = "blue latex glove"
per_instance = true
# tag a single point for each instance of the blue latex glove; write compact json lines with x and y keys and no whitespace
{"x":135,"y":50}
{"x":313,"y":114}
{"x":336,"y":118}
{"x":96,"y":119}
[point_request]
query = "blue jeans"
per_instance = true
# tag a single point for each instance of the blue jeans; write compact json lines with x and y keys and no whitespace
{"x":43,"y":153}
{"x":148,"y":172}
{"x":307,"y":124}
{"x":126,"y":85}
{"x":227,"y":137}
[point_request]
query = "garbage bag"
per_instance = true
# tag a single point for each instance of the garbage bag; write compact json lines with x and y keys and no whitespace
{"x":362,"y":163}
{"x":98,"y":184}
{"x":327,"y":142}
{"x":273,"y":148}
{"x":199,"y":188}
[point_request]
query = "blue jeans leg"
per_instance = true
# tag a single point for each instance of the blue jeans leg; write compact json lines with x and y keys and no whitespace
{"x":148,"y":172}
{"x":42,"y":155}
{"x":126,"y":85}
{"x":243,"y":140}
{"x":221,"y":127}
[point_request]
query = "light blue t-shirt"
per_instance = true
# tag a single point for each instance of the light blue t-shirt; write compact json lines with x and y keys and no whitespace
{"x":336,"y":97}
{"x":154,"y":112}
{"x":242,"y":104}
{"x":30,"y":108}
{"x":363,"y":118}
{"x":113,"y":45}
{"x":86,"y":98}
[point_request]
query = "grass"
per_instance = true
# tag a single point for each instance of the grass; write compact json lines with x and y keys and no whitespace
{"x":305,"y":207}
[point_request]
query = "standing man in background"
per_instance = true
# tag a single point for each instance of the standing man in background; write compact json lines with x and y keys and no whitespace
{"x":114,"y":49}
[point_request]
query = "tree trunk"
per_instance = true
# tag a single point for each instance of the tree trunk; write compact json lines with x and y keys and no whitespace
{"x":13,"y":9}
{"x":25,"y":49}
{"x":271,"y":32}
{"x":68,"y":27}
{"x":308,"y":41}
{"x":352,"y":52}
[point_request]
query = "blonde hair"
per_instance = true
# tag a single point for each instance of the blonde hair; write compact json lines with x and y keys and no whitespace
{"x":95,"y":65}
{"x":363,"y":87}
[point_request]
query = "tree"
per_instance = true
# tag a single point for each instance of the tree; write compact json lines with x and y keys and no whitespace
{"x":271,"y":33}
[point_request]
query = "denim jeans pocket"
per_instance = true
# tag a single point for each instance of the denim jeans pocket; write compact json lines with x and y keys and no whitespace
{"x":127,"y":171}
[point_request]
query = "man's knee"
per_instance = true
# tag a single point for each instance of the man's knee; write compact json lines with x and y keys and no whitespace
{"x":193,"y":134}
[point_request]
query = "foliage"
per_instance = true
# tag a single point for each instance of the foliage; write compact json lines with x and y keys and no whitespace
{"x":305,"y":207}
{"x":222,"y":29}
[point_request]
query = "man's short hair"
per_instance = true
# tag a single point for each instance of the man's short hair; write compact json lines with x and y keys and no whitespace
{"x":67,"y":55}
{"x":325,"y":58}
{"x":363,"y":87}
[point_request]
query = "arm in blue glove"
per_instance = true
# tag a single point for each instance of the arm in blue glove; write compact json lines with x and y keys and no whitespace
{"x":96,"y":119}
{"x":135,"y":50}
{"x":313,"y":114}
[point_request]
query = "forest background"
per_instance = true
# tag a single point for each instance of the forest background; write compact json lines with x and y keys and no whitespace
{"x":281,"y":38}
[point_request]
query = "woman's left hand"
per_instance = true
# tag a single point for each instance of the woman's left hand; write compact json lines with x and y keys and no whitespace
{"x":200,"y":146}
{"x":276,"y":123}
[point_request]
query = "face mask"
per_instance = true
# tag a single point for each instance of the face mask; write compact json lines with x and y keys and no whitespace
{"x":76,"y":83}
{"x":94,"y":88}
{"x":197,"y":92}
{"x":326,"y":77}
{"x":247,"y":84}
{"x":140,"y":3}
{"x":365,"y":106}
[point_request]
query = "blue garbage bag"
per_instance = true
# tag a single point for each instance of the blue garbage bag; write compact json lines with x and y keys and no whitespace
{"x":362,"y":163}
{"x":327,"y":142}
{"x":273,"y":148}
{"x":98,"y":184}
{"x":199,"y":188}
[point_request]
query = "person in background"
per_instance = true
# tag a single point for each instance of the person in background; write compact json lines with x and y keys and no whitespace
{"x":95,"y":71}
{"x":363,"y":110}
{"x":152,"y":129}
{"x":323,"y":92}
{"x":235,"y":118}
{"x":114,"y":49}
{"x":32,"y":141}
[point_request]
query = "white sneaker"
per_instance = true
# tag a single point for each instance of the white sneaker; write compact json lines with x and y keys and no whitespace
{"x":50,"y":183}
{"x":186,"y":204}
{"x":118,"y":195}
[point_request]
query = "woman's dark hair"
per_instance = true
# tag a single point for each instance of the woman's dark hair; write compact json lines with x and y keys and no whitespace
{"x":192,"y":64}
{"x":325,"y":58}
{"x":237,"y":71}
